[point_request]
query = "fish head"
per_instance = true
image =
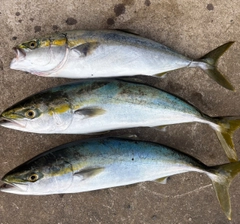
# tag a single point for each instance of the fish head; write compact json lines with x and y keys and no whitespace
{"x":39,"y":56}
{"x":41,"y":175}
{"x":20,"y":181}
{"x":45,"y":112}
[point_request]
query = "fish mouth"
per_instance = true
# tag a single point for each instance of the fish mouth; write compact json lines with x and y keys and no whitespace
{"x":10,"y":123}
{"x":13,"y":188}
{"x":6,"y":186}
{"x":20,"y":53}
{"x":3,"y":121}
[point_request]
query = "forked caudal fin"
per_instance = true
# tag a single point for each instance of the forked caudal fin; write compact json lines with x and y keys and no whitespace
{"x":209,"y":66}
{"x":225,"y":135}
{"x":221,"y":182}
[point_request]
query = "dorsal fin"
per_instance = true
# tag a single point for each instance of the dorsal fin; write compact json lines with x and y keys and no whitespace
{"x":128,"y":31}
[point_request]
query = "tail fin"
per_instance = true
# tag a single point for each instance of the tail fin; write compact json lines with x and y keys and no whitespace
{"x":225,"y":136}
{"x":225,"y":174}
{"x":211,"y":59}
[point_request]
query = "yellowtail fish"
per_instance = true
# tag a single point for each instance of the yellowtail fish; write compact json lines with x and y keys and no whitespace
{"x":106,"y":53}
{"x":91,"y":106}
{"x":103,"y":163}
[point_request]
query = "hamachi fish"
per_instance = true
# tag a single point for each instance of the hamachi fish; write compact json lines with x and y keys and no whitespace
{"x":92,"y":106}
{"x":103,"y":163}
{"x":106,"y":53}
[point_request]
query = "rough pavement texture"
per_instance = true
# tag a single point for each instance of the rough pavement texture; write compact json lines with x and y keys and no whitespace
{"x":190,"y":27}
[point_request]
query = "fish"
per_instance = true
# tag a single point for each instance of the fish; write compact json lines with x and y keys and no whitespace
{"x":101,"y":163}
{"x":81,"y":54}
{"x":95,"y":106}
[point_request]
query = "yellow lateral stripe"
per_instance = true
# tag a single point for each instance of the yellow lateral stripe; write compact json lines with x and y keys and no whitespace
{"x":59,"y":109}
{"x":73,"y":43}
{"x":59,"y":42}
{"x":45,"y":43}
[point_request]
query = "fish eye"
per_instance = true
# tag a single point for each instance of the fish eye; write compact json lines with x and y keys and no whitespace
{"x":30,"y":114}
{"x":33,"y":177}
{"x":32,"y":44}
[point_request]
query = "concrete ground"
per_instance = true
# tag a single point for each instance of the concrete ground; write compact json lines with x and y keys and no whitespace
{"x":190,"y":27}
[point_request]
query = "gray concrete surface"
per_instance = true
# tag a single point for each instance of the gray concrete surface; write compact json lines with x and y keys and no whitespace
{"x":190,"y":27}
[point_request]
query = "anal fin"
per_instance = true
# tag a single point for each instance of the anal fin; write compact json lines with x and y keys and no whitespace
{"x":162,"y":75}
{"x":162,"y":180}
{"x":161,"y":128}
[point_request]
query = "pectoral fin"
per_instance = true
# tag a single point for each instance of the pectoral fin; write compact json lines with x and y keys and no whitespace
{"x":86,"y":48}
{"x":90,"y":111}
{"x":162,"y":180}
{"x":89,"y":172}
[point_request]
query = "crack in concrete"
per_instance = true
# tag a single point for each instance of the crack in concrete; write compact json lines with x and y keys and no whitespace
{"x":175,"y":196}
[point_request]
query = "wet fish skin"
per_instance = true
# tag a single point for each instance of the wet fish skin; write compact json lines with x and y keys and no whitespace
{"x":92,"y":106}
{"x":102,"y":163}
{"x":120,"y":102}
{"x":107,"y":53}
